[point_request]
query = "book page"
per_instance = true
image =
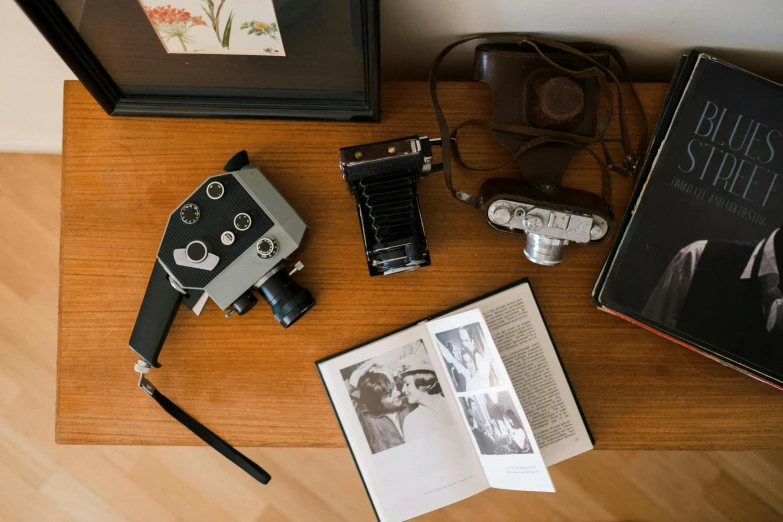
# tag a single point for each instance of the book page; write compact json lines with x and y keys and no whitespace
{"x":489,"y":407}
{"x":403,"y":425}
{"x":531,"y":361}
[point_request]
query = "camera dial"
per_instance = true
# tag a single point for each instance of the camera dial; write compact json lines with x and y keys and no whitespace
{"x":501,"y":215}
{"x":189,"y":213}
{"x":267,"y":247}
{"x":242,"y":221}
{"x":215,"y":190}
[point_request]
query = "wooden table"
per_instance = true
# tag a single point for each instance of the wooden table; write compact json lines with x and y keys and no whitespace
{"x":255,"y":383}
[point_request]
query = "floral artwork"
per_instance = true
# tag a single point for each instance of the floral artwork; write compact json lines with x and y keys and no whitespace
{"x":171,"y":22}
{"x":213,"y":26}
{"x":214,"y":17}
{"x":261,"y":28}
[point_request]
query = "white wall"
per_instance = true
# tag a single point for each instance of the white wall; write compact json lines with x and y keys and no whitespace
{"x":651,"y":34}
{"x":31,"y":86}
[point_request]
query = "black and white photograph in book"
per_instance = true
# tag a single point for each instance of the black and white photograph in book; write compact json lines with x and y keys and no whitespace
{"x":469,"y":360}
{"x":397,"y":397}
{"x":495,"y":424}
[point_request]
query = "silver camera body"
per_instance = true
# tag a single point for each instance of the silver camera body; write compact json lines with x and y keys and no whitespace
{"x":548,"y":230}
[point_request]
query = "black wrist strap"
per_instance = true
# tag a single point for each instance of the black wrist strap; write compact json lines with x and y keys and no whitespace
{"x":205,"y":434}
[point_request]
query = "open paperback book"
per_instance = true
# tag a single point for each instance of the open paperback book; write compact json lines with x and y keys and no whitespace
{"x":441,"y":410}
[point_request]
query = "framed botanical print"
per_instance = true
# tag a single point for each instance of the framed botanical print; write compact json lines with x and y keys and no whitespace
{"x":310,"y":59}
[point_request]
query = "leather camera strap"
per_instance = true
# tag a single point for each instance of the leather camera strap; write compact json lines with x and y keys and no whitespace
{"x":606,"y":182}
{"x":597,"y":71}
{"x":205,"y":434}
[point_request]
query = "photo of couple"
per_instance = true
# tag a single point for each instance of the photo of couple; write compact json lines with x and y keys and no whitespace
{"x":397,"y":397}
{"x":469,"y":360}
{"x":495,"y":424}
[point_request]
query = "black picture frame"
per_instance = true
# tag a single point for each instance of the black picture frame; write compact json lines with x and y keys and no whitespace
{"x":58,"y":30}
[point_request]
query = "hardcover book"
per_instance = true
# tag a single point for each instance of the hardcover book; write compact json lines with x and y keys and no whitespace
{"x":471,"y":399}
{"x":700,"y":251}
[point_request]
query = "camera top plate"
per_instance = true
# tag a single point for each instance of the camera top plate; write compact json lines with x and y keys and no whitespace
{"x":214,"y":217}
{"x":210,"y":240}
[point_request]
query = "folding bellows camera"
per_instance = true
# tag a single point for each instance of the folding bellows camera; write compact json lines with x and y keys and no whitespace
{"x":383,"y":178}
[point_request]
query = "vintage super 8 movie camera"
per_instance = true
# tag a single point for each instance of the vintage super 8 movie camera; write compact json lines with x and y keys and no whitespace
{"x":383,"y":177}
{"x":228,"y":239}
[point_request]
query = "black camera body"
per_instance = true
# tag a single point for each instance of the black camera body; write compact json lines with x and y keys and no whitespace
{"x":383,"y":177}
{"x":228,"y":238}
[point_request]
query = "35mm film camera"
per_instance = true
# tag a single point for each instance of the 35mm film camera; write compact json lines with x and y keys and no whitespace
{"x":528,"y":91}
{"x":546,"y":100}
{"x":383,"y":177}
{"x":549,"y":223}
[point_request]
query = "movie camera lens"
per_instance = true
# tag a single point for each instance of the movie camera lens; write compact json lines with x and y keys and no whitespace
{"x":288,"y":300}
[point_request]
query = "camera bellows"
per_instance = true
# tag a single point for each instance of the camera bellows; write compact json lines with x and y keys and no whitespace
{"x":391,"y":206}
{"x":390,"y":214}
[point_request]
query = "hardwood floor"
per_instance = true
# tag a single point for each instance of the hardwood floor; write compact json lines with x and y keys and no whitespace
{"x":40,"y":480}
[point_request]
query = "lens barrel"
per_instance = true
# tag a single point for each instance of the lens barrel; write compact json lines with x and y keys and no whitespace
{"x":544,"y":250}
{"x":288,"y":300}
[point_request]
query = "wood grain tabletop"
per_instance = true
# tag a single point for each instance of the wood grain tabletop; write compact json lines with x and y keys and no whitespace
{"x":255,"y":383}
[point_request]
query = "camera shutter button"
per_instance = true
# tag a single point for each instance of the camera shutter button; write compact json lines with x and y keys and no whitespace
{"x":267,"y":247}
{"x":196,"y":251}
{"x":501,"y":215}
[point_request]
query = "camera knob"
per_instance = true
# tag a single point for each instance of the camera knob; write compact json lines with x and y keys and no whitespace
{"x":196,"y":251}
{"x":501,"y":215}
{"x":242,"y":221}
{"x":189,"y":213}
{"x":215,"y":190}
{"x":267,"y":247}
{"x":533,"y":222}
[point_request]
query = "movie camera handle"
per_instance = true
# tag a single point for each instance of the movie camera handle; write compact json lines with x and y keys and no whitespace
{"x":156,"y":314}
{"x":159,"y":307}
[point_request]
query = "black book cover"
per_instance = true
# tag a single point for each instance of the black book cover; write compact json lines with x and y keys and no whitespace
{"x":699,"y":255}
